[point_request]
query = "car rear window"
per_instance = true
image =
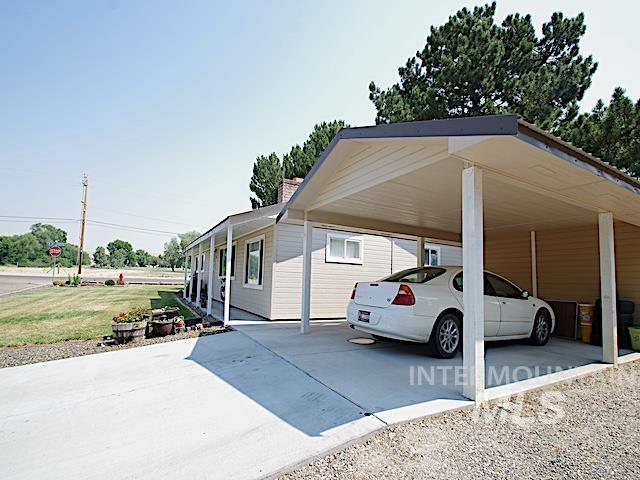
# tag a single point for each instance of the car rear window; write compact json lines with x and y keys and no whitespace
{"x":415,"y":275}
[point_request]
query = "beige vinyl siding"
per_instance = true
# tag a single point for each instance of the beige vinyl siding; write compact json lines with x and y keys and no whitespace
{"x":450,"y":255}
{"x":331,"y":283}
{"x":404,"y":254}
{"x":250,"y":299}
{"x":568,"y":262}
{"x":510,"y":257}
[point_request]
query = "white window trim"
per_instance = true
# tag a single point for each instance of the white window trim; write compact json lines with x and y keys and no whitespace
{"x":245,"y":262}
{"x":344,"y":236}
{"x":202,"y":257}
{"x":428,"y":246}
{"x":233,"y":267}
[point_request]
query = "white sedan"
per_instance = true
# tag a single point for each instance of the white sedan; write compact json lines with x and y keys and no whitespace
{"x":424,"y":305}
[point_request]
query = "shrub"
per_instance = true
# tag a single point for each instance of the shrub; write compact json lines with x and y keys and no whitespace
{"x":109,"y":283}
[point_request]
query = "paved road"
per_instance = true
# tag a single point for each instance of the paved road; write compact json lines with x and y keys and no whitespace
{"x":17,"y":283}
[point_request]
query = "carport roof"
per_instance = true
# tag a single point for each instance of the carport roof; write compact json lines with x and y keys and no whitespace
{"x":471,"y":139}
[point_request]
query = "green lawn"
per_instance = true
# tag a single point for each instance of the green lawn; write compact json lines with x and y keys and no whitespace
{"x":63,"y":313}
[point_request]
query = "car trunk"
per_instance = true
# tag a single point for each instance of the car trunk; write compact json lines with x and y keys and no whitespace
{"x":379,"y":294}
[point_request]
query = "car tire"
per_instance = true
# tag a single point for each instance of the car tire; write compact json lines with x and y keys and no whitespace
{"x":541,"y":328}
{"x":446,"y":336}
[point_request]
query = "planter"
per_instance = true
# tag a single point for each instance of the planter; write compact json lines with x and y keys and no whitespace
{"x":161,"y":328}
{"x":129,"y":332}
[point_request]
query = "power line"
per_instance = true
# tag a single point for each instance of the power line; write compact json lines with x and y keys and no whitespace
{"x":143,"y":217}
{"x":132,"y":228}
{"x":96,"y":222}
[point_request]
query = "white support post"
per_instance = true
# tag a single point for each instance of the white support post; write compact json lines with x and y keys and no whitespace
{"x":307,"y":241}
{"x":199,"y":286}
{"x":608,"y":289}
{"x":227,"y":276}
{"x":473,"y":293}
{"x":184,"y":288}
{"x":534,"y":265}
{"x":210,"y":279}
{"x":191,"y":270}
{"x":420,"y":252}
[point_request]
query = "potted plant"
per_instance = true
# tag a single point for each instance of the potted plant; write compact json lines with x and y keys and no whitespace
{"x":130,"y":326}
{"x":162,"y":320}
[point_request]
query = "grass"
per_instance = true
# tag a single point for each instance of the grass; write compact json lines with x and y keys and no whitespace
{"x":55,"y":314}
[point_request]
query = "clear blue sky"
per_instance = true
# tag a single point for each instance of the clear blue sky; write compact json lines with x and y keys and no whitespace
{"x":165,"y":105}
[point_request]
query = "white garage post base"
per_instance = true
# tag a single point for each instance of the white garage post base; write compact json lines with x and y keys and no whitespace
{"x":307,"y":240}
{"x":473,"y":292}
{"x":227,"y":276}
{"x":210,"y":278}
{"x":608,"y":289}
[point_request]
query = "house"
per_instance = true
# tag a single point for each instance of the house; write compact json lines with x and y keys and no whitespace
{"x":266,"y":261}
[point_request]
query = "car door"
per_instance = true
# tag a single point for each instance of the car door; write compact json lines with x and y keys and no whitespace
{"x":491,"y":305}
{"x":516,"y":312}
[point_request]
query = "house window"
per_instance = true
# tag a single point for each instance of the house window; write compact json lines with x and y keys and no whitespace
{"x":431,"y":255}
{"x":343,"y":248}
{"x":202,"y":262}
{"x":222,"y":267}
{"x":253,"y":262}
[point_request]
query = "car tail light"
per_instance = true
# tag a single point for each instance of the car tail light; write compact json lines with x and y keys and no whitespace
{"x":353,"y":292}
{"x":405,"y":296}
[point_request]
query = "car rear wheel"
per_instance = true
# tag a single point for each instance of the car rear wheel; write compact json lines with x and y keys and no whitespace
{"x":446,"y":336}
{"x":541,"y":328}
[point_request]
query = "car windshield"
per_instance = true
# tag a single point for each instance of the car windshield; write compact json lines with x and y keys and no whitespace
{"x":415,"y":275}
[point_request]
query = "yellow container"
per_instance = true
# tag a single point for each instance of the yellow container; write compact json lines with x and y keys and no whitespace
{"x":585,"y":330}
{"x":585,"y":312}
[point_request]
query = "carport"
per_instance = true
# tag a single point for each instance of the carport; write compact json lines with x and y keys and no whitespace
{"x":500,"y":186}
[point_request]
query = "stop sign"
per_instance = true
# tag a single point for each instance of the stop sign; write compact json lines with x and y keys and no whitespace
{"x":55,"y":251}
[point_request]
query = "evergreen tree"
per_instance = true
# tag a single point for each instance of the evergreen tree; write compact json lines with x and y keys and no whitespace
{"x":610,"y":132}
{"x":267,"y":174}
{"x":268,"y":171}
{"x":471,"y":66}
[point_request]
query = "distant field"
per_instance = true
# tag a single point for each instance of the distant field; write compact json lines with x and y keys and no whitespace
{"x":97,"y":272}
{"x":64,"y":313}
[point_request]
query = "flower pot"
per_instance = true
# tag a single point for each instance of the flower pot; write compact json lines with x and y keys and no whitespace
{"x":161,"y":328}
{"x":129,"y":332}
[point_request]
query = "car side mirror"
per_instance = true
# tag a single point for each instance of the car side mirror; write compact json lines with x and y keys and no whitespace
{"x":525,"y":294}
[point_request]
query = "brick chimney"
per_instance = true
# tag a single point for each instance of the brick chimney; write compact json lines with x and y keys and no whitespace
{"x":287,"y":188}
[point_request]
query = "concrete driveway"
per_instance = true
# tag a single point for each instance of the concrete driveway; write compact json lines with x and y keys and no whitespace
{"x":244,"y":404}
{"x":220,"y":406}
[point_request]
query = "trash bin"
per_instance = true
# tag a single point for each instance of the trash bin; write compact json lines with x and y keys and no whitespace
{"x":585,"y":332}
{"x":634,"y":333}
{"x":586,"y":313}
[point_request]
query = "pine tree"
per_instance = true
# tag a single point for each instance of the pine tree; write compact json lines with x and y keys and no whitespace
{"x":471,"y":66}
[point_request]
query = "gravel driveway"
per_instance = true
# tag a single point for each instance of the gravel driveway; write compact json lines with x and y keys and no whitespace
{"x":589,"y":428}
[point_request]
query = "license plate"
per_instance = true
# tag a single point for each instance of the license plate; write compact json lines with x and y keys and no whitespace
{"x":364,"y":316}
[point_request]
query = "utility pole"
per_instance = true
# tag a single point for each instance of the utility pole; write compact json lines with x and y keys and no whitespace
{"x":85,"y":187}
